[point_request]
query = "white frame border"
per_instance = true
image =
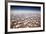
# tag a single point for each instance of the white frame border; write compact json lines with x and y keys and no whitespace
{"x":24,"y":29}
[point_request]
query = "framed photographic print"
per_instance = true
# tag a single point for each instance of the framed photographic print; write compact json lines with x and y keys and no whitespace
{"x":24,"y":16}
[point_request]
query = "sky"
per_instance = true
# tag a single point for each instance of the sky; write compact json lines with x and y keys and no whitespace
{"x":25,"y":9}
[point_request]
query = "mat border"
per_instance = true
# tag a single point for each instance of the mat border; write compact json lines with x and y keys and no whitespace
{"x":6,"y":16}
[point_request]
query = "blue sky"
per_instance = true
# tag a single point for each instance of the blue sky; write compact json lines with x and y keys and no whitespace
{"x":25,"y":9}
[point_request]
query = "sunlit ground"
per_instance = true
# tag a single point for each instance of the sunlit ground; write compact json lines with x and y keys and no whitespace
{"x":25,"y":20}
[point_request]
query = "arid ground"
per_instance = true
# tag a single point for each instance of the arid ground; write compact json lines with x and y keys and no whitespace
{"x":25,"y":20}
